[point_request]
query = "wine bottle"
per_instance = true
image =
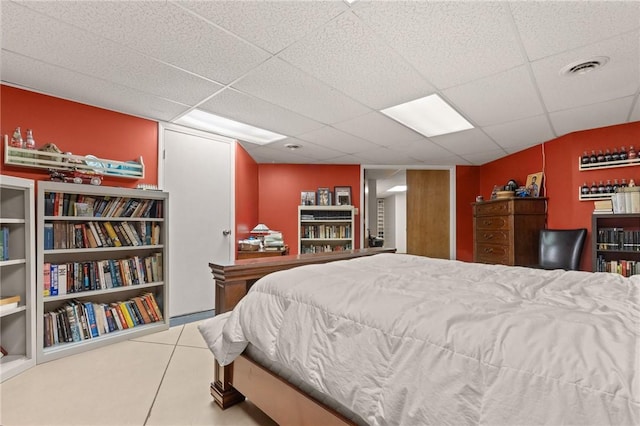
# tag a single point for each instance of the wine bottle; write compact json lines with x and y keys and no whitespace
{"x":607,"y":155}
{"x":600,"y":157}
{"x":594,"y":188}
{"x":592,"y":157}
{"x":584,"y":190}
{"x":615,"y":156}
{"x":632,"y":153}
{"x":585,"y":158}
{"x":623,"y":153}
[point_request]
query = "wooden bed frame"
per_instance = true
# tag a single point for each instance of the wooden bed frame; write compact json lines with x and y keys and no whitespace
{"x":280,"y":400}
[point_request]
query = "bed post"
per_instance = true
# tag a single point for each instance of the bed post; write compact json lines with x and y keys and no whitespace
{"x":223,"y":393}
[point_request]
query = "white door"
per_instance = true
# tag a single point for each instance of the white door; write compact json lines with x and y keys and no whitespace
{"x":197,"y":172}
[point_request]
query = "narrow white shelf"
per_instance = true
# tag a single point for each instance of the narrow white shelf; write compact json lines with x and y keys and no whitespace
{"x":12,"y":262}
{"x":608,"y":164}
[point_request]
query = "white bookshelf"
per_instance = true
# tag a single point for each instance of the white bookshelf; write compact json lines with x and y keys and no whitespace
{"x":325,"y":228}
{"x":71,"y":254}
{"x":17,"y":276}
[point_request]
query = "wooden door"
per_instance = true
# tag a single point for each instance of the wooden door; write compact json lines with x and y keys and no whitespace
{"x":428,"y":213}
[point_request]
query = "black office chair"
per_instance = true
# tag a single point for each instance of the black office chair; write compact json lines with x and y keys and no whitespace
{"x":561,"y":248}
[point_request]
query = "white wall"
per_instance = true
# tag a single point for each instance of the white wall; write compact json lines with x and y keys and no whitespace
{"x":401,"y":221}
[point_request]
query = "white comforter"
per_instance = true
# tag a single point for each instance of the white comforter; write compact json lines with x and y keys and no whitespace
{"x":410,"y":340}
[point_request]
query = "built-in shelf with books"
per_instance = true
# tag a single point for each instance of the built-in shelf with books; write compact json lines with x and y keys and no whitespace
{"x":616,"y":243}
{"x":102,"y":270}
{"x":17,"y":276}
{"x":325,"y":228}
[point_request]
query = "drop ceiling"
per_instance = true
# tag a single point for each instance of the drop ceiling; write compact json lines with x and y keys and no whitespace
{"x":319,"y":72}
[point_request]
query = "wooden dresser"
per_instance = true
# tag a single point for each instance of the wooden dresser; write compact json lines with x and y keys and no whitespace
{"x":507,"y":231}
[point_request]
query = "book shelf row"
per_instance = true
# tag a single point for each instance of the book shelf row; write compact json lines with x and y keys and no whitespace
{"x":72,"y":204}
{"x":75,"y":277}
{"x":77,"y":321}
{"x":625,"y":268}
{"x":323,"y":248}
{"x":325,"y":231}
{"x":72,"y":235}
{"x":618,"y":239}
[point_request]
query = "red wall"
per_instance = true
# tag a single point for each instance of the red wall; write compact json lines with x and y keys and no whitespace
{"x":559,"y":161}
{"x":467,"y":188}
{"x":246,"y":193}
{"x":80,"y":129}
{"x":280,"y":186}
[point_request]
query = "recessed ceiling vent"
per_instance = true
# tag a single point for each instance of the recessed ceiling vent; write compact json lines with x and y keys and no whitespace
{"x":583,"y":67}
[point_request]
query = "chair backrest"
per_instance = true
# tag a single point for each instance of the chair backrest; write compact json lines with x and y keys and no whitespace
{"x":561,"y":248}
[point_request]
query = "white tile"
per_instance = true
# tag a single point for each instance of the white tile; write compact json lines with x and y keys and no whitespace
{"x":286,"y":86}
{"x":500,"y":98}
{"x":378,"y":128}
{"x":521,"y":133}
{"x":466,"y":142}
{"x":166,"y":337}
{"x":547,"y":28}
{"x":184,"y":398}
{"x":347,"y":55}
{"x":449,"y":43}
{"x":113,"y":385}
{"x":331,"y":138}
{"x":592,"y":116}
{"x":620,"y":77}
{"x":190,"y":336}
{"x":270,"y":25}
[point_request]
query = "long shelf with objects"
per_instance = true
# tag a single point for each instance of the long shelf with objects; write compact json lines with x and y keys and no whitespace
{"x":17,"y":276}
{"x":90,"y":165}
{"x":102,"y":266}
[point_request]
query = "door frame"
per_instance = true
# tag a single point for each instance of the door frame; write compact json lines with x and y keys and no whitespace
{"x":452,"y":198}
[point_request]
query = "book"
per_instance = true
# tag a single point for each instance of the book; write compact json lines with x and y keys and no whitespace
{"x":53,"y":289}
{"x":48,"y":236}
{"x":8,"y":303}
{"x":126,"y":313}
{"x":62,"y":279}
{"x":112,"y":234}
{"x":5,"y":243}
{"x":156,"y":308}
{"x":46,"y":281}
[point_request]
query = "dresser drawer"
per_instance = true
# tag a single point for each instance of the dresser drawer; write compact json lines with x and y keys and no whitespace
{"x":489,"y":253}
{"x":493,"y":223}
{"x":493,"y":208}
{"x":501,"y":237}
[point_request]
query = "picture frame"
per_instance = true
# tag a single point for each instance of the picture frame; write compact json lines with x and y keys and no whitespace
{"x":534,"y":184}
{"x":342,"y":195}
{"x":324,"y":196}
{"x":308,"y":198}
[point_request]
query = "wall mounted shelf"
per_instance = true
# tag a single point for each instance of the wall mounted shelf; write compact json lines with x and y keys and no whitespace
{"x":608,"y":165}
{"x":21,"y":157}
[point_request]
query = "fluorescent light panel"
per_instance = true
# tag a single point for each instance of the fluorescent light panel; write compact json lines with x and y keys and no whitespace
{"x":208,"y":122}
{"x":430,"y":116}
{"x":398,"y":188}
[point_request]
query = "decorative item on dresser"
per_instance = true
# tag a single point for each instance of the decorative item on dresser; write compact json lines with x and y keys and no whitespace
{"x":506,"y":231}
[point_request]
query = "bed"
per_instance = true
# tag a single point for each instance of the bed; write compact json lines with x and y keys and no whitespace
{"x":400,"y":339}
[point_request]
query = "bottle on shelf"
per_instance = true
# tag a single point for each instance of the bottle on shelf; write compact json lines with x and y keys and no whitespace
{"x":607,"y":155}
{"x":615,"y":186}
{"x":608,"y":188}
{"x":594,"y":188}
{"x":585,"y":158}
{"x":615,"y":156}
{"x":632,"y":154}
{"x":623,"y":153}
{"x":16,"y":139}
{"x":601,"y":187}
{"x":600,"y":157}
{"x":593,"y":158}
{"x":30,"y":143}
{"x":584,"y":190}
{"x":632,"y":183}
{"x":624,"y":183}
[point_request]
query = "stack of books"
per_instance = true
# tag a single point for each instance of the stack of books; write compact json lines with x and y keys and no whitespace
{"x":273,"y":241}
{"x":603,"y":206}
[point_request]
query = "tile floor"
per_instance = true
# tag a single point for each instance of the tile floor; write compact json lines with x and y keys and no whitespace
{"x":159,"y":379}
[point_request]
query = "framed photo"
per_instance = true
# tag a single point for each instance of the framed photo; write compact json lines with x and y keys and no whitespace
{"x":324,"y":197}
{"x":534,"y":184}
{"x":342,"y":195}
{"x":308,"y":198}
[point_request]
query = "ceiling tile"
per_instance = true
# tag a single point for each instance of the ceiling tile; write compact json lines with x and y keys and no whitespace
{"x":60,"y":82}
{"x":592,"y":116}
{"x":620,"y":77}
{"x":500,"y":98}
{"x":291,"y":88}
{"x":550,"y":27}
{"x":163,"y":31}
{"x":450,"y":43}
{"x":241,"y":107}
{"x":481,"y":158}
{"x":66,"y":46}
{"x":346,"y":55}
{"x":378,"y":128}
{"x":329,"y":137}
{"x":271,"y":25}
{"x":265,"y":154}
{"x":423,"y":150}
{"x":306,"y":149}
{"x":467,"y":142}
{"x":383,"y":155}
{"x":521,"y":133}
